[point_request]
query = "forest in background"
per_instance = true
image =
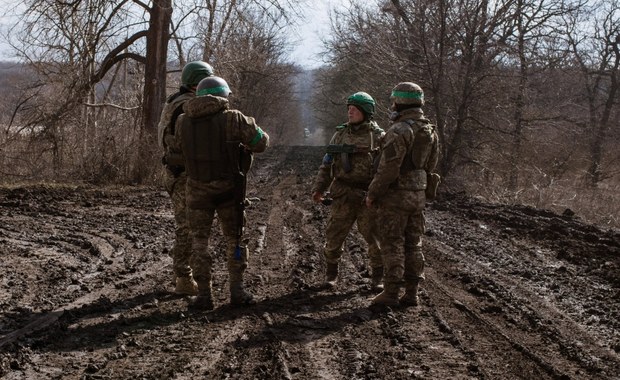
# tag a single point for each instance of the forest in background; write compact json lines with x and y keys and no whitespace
{"x":524,"y":92}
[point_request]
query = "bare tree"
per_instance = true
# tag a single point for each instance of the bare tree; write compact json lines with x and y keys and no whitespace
{"x":99,"y":61}
{"x":449,"y":48}
{"x":246,"y":42}
{"x":595,"y":44}
{"x":77,"y":43}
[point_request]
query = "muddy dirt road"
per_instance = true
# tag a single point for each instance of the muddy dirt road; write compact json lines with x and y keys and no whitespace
{"x":511,"y":292}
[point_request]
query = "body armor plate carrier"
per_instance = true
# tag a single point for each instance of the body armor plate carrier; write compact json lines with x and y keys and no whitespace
{"x":207,"y":158}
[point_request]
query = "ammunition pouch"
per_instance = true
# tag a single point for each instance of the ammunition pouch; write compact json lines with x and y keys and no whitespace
{"x":345,"y":150}
{"x":346,"y":162}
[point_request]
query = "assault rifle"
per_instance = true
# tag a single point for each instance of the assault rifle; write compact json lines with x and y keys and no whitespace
{"x":345,"y":150}
{"x":235,"y":153}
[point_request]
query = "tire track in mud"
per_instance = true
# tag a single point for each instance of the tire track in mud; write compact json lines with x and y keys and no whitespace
{"x":516,"y":319}
{"x":74,"y":255}
{"x":496,"y":304}
{"x":290,"y":254}
{"x":325,"y":339}
{"x":107,"y":255}
{"x":339,"y":339}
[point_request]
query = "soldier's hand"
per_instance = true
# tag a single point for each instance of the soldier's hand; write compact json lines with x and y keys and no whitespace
{"x":317,"y":196}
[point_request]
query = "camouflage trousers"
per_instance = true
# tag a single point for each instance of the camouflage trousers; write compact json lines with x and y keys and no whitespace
{"x":401,"y":244}
{"x":181,"y":251}
{"x":345,"y":211}
{"x":201,"y":222}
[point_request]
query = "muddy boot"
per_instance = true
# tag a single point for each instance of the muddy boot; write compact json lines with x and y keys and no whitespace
{"x":204,"y":299}
{"x":376,"y":279}
{"x":410,"y":298}
{"x":202,"y":302}
{"x":239,"y":296}
{"x":388,"y":297}
{"x":186,"y":286}
{"x":331,"y":274}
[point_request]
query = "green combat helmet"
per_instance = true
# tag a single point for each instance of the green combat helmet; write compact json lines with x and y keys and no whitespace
{"x":194,"y":72}
{"x":364,"y":101}
{"x":408,"y":93}
{"x":215,"y":86}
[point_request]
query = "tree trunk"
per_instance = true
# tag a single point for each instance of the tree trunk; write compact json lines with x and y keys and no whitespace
{"x":154,"y":87}
{"x":155,"y":68}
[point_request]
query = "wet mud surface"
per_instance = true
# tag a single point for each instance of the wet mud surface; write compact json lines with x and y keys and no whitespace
{"x":511,"y":292}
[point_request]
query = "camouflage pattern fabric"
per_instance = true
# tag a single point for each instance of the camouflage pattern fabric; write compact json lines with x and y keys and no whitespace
{"x":401,"y":231}
{"x":200,"y":222}
{"x":400,"y":199}
{"x":165,"y":135}
{"x":366,"y":135}
{"x":346,"y":210}
{"x":174,"y":183}
{"x":181,"y":251}
{"x":240,"y":127}
{"x":347,"y":188}
{"x":202,"y":197}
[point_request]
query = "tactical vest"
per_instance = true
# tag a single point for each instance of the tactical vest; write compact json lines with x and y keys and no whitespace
{"x":205,"y":147}
{"x":421,"y":147}
{"x":413,"y":170}
{"x":171,"y":158}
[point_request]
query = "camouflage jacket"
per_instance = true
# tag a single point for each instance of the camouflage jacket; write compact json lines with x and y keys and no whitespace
{"x":341,"y":170}
{"x":238,"y":128}
{"x":409,"y":153}
{"x":166,"y":132}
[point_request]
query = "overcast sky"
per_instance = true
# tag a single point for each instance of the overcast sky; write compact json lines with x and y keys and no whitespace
{"x":314,"y":29}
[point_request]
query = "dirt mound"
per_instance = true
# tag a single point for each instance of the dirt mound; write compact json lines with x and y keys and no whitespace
{"x":511,"y":291}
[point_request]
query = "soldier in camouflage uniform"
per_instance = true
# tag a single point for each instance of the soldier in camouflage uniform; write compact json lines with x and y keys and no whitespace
{"x":347,"y":170}
{"x":408,"y":157}
{"x":175,"y":176}
{"x":217,"y":145}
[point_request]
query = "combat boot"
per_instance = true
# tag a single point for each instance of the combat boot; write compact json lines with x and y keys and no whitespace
{"x":376,"y":279}
{"x":186,"y":286}
{"x":204,"y":300}
{"x":388,"y":297}
{"x":331,"y":274}
{"x":410,"y":298}
{"x":240,"y":296}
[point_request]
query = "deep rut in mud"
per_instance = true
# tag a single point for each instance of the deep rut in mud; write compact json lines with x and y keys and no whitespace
{"x":511,"y":293}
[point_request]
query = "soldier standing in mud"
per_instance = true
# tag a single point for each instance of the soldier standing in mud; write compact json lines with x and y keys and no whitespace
{"x":409,"y":155}
{"x":347,"y":170}
{"x":175,"y":176}
{"x":217,"y":144}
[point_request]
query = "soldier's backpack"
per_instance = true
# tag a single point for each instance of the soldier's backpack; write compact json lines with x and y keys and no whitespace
{"x":424,"y":153}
